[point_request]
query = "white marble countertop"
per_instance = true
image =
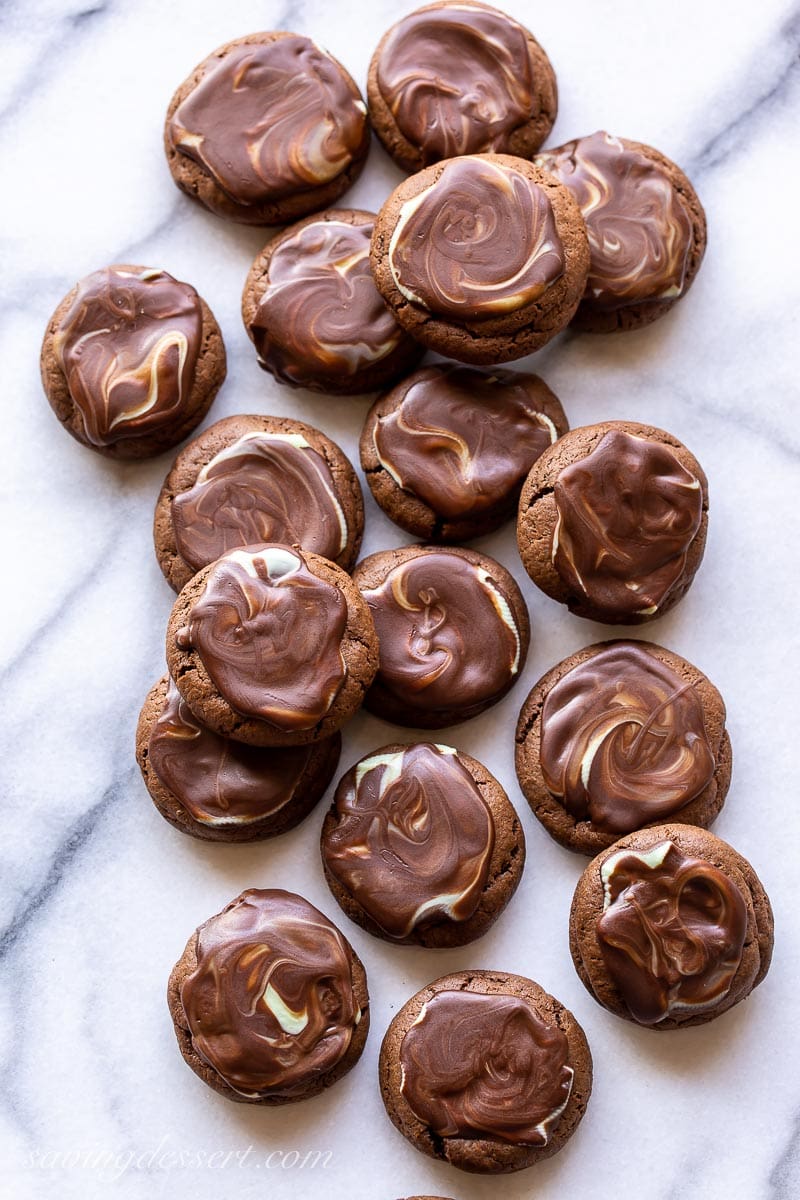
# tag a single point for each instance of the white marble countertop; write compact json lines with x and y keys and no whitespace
{"x":99,"y":894}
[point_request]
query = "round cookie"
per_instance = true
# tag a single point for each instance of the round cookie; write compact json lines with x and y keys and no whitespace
{"x":131,"y":361}
{"x":459,"y":78}
{"x":251,"y":479}
{"x":453,"y":632}
{"x":670,"y":927}
{"x":422,"y":846}
{"x":446,"y":451}
{"x":486,"y":1071}
{"x":620,"y":736}
{"x":219,"y":790}
{"x":313,"y":313}
{"x":272,"y":645}
{"x":646,"y":227}
{"x":613,"y":520}
{"x":267,"y":129}
{"x":482,"y":258}
{"x":269,"y":1000}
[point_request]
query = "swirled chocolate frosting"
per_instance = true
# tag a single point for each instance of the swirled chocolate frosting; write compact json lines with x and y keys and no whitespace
{"x":623,"y":740}
{"x":269,"y":634}
{"x":267,"y":121}
{"x":320,"y":313}
{"x":128,"y":347}
{"x":264,"y":487}
{"x":457,"y":80}
{"x":413,"y":838}
{"x":477,"y":1066}
{"x":463,"y":440}
{"x":270,"y":1005}
{"x":639,"y":228}
{"x":671,"y":933}
{"x":219,"y":781}
{"x":448,"y":638}
{"x":627,"y":515}
{"x":478,"y":243}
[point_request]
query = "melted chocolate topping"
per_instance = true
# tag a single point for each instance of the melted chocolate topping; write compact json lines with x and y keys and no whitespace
{"x":267,"y":121}
{"x":623,"y":740}
{"x":413,"y":838}
{"x":270,"y":1005}
{"x":321,"y":314}
{"x":128,"y":347}
{"x":477,"y":1066}
{"x":627,"y":515}
{"x":479,"y":242}
{"x":457,"y":80}
{"x":671,"y":933}
{"x":265,"y":487}
{"x":269,"y":633}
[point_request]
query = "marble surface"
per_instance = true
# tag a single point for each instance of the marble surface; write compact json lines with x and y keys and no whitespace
{"x":98,"y":894}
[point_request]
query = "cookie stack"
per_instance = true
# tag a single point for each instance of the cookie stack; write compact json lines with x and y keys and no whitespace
{"x":279,"y":634}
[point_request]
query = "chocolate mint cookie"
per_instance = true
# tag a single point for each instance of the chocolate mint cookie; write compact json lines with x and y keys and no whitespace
{"x":483,"y":258}
{"x":670,"y":927}
{"x":486,"y":1071}
{"x":252,"y":479}
{"x":422,"y":845}
{"x":272,"y":645}
{"x":311,"y":308}
{"x":131,"y":361}
{"x":267,"y":129}
{"x":453,"y":632}
{"x":269,"y":1000}
{"x":446,"y":451}
{"x":220,"y":790}
{"x":612,"y":521}
{"x":459,"y":78}
{"x":619,"y":736}
{"x":646,"y":227}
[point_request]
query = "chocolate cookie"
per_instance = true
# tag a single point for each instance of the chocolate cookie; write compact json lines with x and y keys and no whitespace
{"x":422,"y":845}
{"x":646,"y":227}
{"x":483,"y":258}
{"x":460,"y":78}
{"x":311,"y":308}
{"x":486,"y":1071}
{"x":220,"y":790}
{"x":446,"y":451}
{"x":272,"y":645}
{"x":453,"y":632}
{"x":267,"y":129}
{"x":670,"y":927}
{"x":251,"y":479}
{"x":131,"y":361}
{"x":620,"y":736}
{"x":269,"y":1000}
{"x":612,"y":521}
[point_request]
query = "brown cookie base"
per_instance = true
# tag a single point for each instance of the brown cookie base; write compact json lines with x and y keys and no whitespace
{"x":195,"y":456}
{"x":587,"y":906}
{"x":403,"y":358}
{"x":187,"y":964}
{"x":484,"y":1155}
{"x":371,"y":572}
{"x":505,"y":870}
{"x":512,"y":335}
{"x":585,"y":837}
{"x":310,"y":787}
{"x":523,"y":141}
{"x":538,"y":515}
{"x":359,"y":648}
{"x":193,"y":180}
{"x":209,"y":375}
{"x":408,"y":510}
